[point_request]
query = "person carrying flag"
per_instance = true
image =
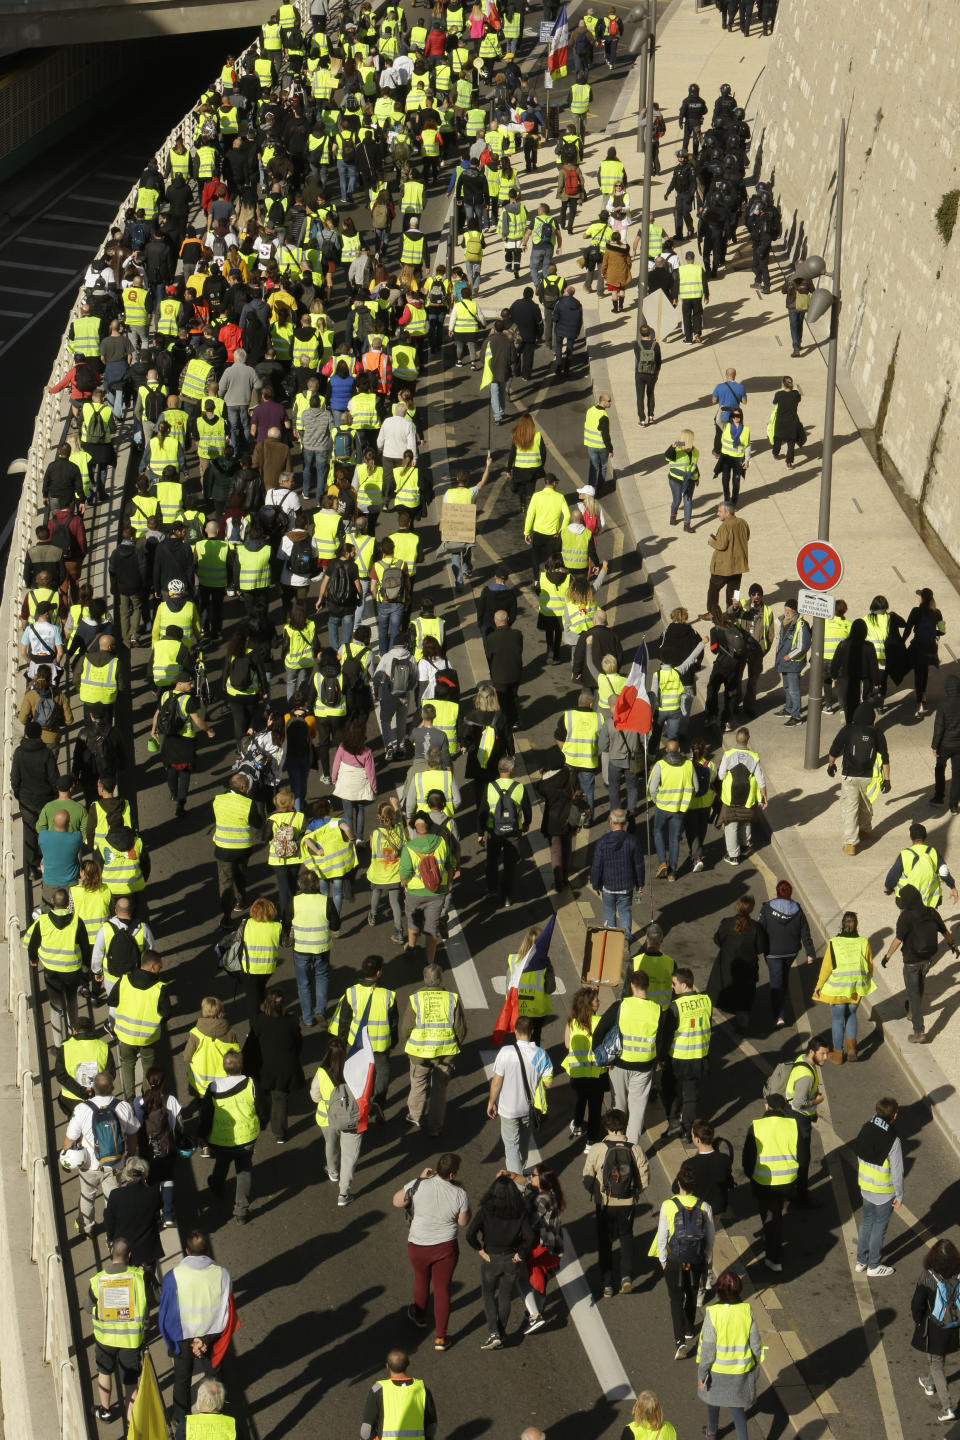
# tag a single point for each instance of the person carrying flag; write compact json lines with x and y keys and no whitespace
{"x":370,"y":1006}
{"x":530,"y":983}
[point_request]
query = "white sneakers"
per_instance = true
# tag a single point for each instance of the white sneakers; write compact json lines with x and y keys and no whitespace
{"x":879,"y":1272}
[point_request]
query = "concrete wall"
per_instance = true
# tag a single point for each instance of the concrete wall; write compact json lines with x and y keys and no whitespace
{"x":891,"y":71}
{"x":72,"y":22}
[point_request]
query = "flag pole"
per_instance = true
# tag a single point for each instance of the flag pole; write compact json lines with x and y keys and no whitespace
{"x":646,"y":800}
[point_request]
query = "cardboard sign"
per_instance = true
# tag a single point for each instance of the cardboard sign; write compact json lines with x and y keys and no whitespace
{"x":458,"y":524}
{"x":603,"y":952}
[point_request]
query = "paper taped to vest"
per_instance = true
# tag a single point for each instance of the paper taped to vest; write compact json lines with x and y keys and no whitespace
{"x":458,"y":524}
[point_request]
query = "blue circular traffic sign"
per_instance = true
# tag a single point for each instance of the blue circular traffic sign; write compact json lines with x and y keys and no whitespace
{"x":819,"y":566}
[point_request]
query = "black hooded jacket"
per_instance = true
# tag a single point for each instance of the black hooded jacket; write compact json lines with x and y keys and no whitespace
{"x":858,"y":744}
{"x":946,"y":722}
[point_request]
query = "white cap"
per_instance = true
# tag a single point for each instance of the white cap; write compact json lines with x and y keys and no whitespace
{"x":587,"y":490}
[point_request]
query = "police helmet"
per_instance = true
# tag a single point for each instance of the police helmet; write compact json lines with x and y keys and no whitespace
{"x":725,"y":90}
{"x":738,"y":113}
{"x":693,"y":89}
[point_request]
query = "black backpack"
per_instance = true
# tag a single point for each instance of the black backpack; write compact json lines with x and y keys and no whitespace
{"x":64,"y":537}
{"x":171,"y":720}
{"x":123,"y":957}
{"x":330,"y":692}
{"x":340,"y":589}
{"x":154,"y":404}
{"x":569,"y":154}
{"x":620,"y":1179}
{"x":403,"y":676}
{"x":924,"y":934}
{"x":240,"y":672}
{"x":156,"y":1125}
{"x":353,"y":675}
{"x":688,"y":1243}
{"x":301,"y":560}
{"x":506,"y":818}
{"x":862,"y":750}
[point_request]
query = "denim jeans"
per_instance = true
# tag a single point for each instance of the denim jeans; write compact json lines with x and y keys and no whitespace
{"x":496,"y":400}
{"x":459,"y":560}
{"x":843,"y":1021}
{"x":587,"y":780}
{"x":737,"y":1414}
{"x":333,"y":889}
{"x":791,"y":692}
{"x":296,"y":678}
{"x":874,"y":1220}
{"x":796,"y":327}
{"x":339,"y":629}
{"x":313,"y":980}
{"x":362,"y":603}
{"x":599,"y":460}
{"x":667,"y":829}
{"x":238,"y":419}
{"x":516,"y":1142}
{"x":616,"y":910}
{"x":315,"y":466}
{"x":348,"y":179}
{"x":540,"y":257}
{"x":681,"y":490}
{"x":473,"y":274}
{"x":389,"y":621}
{"x":778,"y":967}
{"x":353,"y":816}
{"x":298,"y":774}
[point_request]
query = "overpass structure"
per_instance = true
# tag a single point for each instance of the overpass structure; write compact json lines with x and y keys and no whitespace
{"x":39,"y":23}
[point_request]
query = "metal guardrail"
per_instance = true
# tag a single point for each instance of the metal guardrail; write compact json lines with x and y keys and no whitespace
{"x":60,"y":1342}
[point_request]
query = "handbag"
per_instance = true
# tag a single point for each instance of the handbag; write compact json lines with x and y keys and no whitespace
{"x":230,"y":959}
{"x":537,"y":1117}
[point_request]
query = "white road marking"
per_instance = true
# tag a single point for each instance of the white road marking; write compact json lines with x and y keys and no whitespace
{"x":110,"y":200}
{"x":54,"y":244}
{"x":46,"y":269}
{"x":465,"y":972}
{"x":17,"y":314}
{"x":22,"y":290}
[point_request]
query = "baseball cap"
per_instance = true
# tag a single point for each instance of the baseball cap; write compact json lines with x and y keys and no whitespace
{"x":587,"y":490}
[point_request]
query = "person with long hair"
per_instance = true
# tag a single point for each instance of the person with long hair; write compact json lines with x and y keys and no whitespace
{"x":926,"y":624}
{"x":261,"y":951}
{"x":91,"y":899}
{"x":739,"y":940}
{"x":545,"y":1201}
{"x":285,"y":867}
{"x":502,"y":1233}
{"x":383,"y":872}
{"x":588,"y":1080}
{"x":579,"y":609}
{"x":354,"y":776}
{"x":534,"y":987}
{"x":559,"y":820}
{"x":854,"y":669}
{"x":341,"y":1146}
{"x":934,"y":1307}
{"x":271,"y":742}
{"x":438,"y":1208}
{"x":527,"y":459}
{"x":728,"y":1356}
{"x":299,"y":648}
{"x":243,"y":682}
{"x":646,"y":1418}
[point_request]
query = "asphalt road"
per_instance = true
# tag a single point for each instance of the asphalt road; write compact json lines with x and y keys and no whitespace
{"x":322,"y":1291}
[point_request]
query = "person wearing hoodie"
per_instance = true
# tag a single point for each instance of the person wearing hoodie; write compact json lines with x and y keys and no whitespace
{"x":861,"y":751}
{"x":207,"y":1043}
{"x":173,"y":560}
{"x":854,"y":669}
{"x":142,"y":1005}
{"x":880,"y":1177}
{"x":33,"y":780}
{"x":617,"y":873}
{"x":786,"y":932}
{"x":126,"y":864}
{"x":945,"y":745}
{"x":919,"y":928}
{"x":672,"y":785}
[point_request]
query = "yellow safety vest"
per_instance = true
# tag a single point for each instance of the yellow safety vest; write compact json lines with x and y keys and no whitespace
{"x":801,"y":1064}
{"x":446,"y":716}
{"x":338,"y":854}
{"x":850,"y":975}
{"x":676,"y":787}
{"x":299,"y":654}
{"x":426,"y":780}
{"x":254,"y":568}
{"x":93,"y":1055}
{"x":261,"y":945}
{"x":659,"y":969}
{"x":639,"y":1021}
{"x":732,"y":1325}
{"x":211,"y":556}
{"x":735,"y":448}
{"x":579,"y":749}
{"x":92,"y":908}
{"x":592,"y":438}
{"x":875,"y":1179}
{"x":98,"y":683}
{"x":466,"y":320}
{"x":235,"y":1120}
{"x":135,"y":306}
{"x":310,"y":929}
{"x":578,"y":1060}
{"x":579,"y":99}
{"x":670,"y":691}
{"x":193,"y":381}
{"x":86,"y":336}
{"x":834,"y":630}
{"x":377,"y":1020}
{"x":532,"y":997}
{"x":404,"y":1408}
{"x":919,"y":864}
{"x":232,"y":828}
{"x":529,"y":457}
{"x":121,"y":869}
{"x":878,"y":628}
{"x":433,"y":1035}
{"x":692,"y":1038}
{"x":690,"y":279}
{"x":327,"y":526}
{"x":137,"y":1019}
{"x":120,"y":1308}
{"x":608,"y":688}
{"x":552,"y":596}
{"x":776,"y":1163}
{"x":166,"y":664}
{"x":655,"y":236}
{"x":211,"y":437}
{"x":206,"y":1062}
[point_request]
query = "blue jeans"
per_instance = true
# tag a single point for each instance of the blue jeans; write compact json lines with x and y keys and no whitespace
{"x":667,"y":829}
{"x":791,"y":692}
{"x":516,"y":1142}
{"x":348,"y":179}
{"x":599,"y":460}
{"x":358,"y":613}
{"x":296,"y":678}
{"x":353,"y":816}
{"x":796,"y":327}
{"x":540,"y":257}
{"x":339,"y":629}
{"x":778,"y":967}
{"x":496,"y":400}
{"x":874,"y":1220}
{"x":459,"y":563}
{"x":298,"y":774}
{"x":333,"y":889}
{"x":681,"y":491}
{"x":737,"y":1415}
{"x":586,"y":779}
{"x":238,"y":419}
{"x":616,"y":910}
{"x":315,"y":465}
{"x":389,"y":621}
{"x":843,"y":1021}
{"x":313,"y":981}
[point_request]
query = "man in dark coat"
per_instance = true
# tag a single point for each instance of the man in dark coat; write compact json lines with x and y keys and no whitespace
{"x":33,"y":780}
{"x":504,"y":651}
{"x":567,"y":324}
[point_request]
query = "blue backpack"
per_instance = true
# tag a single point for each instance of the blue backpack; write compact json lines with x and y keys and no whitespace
{"x":108,"y":1142}
{"x":945,"y":1310}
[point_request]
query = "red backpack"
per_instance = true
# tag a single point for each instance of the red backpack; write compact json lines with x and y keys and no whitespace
{"x":571,"y":181}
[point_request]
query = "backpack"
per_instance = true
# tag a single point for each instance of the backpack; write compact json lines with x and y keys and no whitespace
{"x":285,"y":843}
{"x":659,"y":127}
{"x":154,"y":404}
{"x":343,"y":1112}
{"x":620,"y":1179}
{"x":428,"y":870}
{"x":862,"y":750}
{"x":63,"y":536}
{"x":138,"y":234}
{"x":924,"y":934}
{"x":95,"y":430}
{"x":571,"y":182}
{"x":156,"y":1125}
{"x":740,"y":778}
{"x":390,"y":586}
{"x":646,"y":358}
{"x":330,"y":692}
{"x":379,"y":215}
{"x":613,"y":27}
{"x":343,"y":445}
{"x":109,"y":1145}
{"x":240,"y":672}
{"x":568,"y":152}
{"x":437,"y":296}
{"x":403,"y":677}
{"x":776,"y":1081}
{"x":353,"y":674}
{"x":170,"y":720}
{"x":230,"y":959}
{"x":688,"y":1243}
{"x":945,"y":1310}
{"x":506,"y":819}
{"x":45,"y":711}
{"x":300,"y":560}
{"x":275,"y":520}
{"x":340,"y":590}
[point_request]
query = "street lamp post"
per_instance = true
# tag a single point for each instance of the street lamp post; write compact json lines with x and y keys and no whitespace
{"x":647,"y":166}
{"x":821,"y":301}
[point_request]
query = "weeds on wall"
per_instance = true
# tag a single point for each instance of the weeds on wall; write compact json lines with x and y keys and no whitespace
{"x":946,"y":216}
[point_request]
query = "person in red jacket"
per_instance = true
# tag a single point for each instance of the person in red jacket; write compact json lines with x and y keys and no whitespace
{"x":67,"y":526}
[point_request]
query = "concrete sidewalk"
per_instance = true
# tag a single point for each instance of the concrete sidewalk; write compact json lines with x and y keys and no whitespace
{"x":881,"y":550}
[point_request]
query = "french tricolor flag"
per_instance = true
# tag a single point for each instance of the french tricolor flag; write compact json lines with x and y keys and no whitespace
{"x":358,"y":1071}
{"x":557,"y":49}
{"x":633,"y":710}
{"x":535,"y":959}
{"x":492,"y":15}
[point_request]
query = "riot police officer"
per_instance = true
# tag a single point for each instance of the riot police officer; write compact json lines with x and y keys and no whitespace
{"x":723,"y":108}
{"x":683,"y":184}
{"x":765,"y":225}
{"x":693,"y":112}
